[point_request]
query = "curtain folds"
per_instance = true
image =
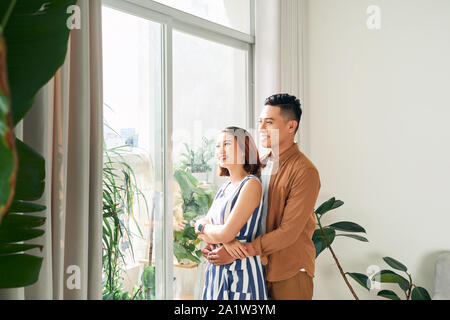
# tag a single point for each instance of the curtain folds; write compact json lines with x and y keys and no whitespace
{"x":65,"y":126}
{"x":279,"y":54}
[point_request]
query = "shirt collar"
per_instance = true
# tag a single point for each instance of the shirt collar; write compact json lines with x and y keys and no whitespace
{"x":285,"y":155}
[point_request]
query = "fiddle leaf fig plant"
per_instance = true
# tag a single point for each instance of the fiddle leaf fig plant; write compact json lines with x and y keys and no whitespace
{"x":324,"y":236}
{"x":33,"y":45}
{"x":410,"y":289}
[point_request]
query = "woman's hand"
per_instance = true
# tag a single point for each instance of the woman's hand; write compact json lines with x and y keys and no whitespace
{"x":236,"y":249}
{"x":202,"y":221}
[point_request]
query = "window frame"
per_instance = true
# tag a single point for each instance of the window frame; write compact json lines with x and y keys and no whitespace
{"x":174,"y":19}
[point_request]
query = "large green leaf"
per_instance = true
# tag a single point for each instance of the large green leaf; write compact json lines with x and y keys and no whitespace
{"x":388,"y":276}
{"x":8,"y":156}
{"x":36,"y":37}
{"x":31,"y":174}
{"x":9,"y":235}
{"x":395,"y":264}
{"x":389,"y":294}
{"x":19,"y":221}
{"x":360,"y":278}
{"x":25,"y":207}
{"x":420,"y":293}
{"x":19,"y":270}
{"x":14,"y":248}
{"x":184,"y":183}
{"x":347,"y":226}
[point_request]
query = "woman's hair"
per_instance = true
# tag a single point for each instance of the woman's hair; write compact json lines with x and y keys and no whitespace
{"x":246,"y":143}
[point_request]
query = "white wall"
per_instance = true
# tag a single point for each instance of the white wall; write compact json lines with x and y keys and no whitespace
{"x":379,"y":107}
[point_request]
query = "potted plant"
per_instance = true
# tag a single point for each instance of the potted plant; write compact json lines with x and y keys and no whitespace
{"x":197,"y":161}
{"x":323,"y":238}
{"x":193,"y":200}
{"x":120,"y":191}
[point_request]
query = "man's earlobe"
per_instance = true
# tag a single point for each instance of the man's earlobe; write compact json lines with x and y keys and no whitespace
{"x":293,"y":125}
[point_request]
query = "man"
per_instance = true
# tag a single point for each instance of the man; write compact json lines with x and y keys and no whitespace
{"x":291,"y":185}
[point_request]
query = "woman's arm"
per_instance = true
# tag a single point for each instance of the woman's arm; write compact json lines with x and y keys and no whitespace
{"x":248,"y":199}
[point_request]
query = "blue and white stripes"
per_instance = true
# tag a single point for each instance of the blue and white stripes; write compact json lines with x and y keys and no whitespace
{"x":242,"y":279}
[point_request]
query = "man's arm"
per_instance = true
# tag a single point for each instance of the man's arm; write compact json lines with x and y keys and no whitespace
{"x":299,"y":206}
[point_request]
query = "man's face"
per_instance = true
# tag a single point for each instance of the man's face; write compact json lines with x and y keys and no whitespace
{"x":272,"y":127}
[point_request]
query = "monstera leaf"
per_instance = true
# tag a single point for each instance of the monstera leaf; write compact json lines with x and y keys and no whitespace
{"x":33,"y":45}
{"x":20,"y":269}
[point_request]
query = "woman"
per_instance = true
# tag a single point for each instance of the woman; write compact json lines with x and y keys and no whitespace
{"x":233,"y":219}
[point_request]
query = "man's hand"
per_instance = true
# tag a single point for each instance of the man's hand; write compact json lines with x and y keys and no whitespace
{"x":220,"y":256}
{"x":236,"y":249}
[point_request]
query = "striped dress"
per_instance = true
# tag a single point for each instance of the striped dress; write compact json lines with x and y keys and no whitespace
{"x":242,"y":279}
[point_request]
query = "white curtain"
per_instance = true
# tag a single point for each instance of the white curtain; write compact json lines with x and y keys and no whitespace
{"x":279,"y":54}
{"x":65,"y":125}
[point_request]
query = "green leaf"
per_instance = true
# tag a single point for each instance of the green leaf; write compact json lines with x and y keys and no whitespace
{"x":354,"y":236}
{"x":189,"y":232}
{"x":325,"y":207}
{"x":18,"y":221}
{"x":337,"y":204}
{"x":203,"y":202}
{"x":395,"y":264}
{"x":37,"y":44}
{"x":189,"y":215}
{"x":360,"y":278}
{"x":389,"y":294}
{"x":419,"y":293}
{"x":19,"y":270}
{"x":148,"y":277}
{"x":183,"y":182}
{"x":25,"y":207}
{"x":6,"y":248}
{"x":181,"y":252}
{"x":31,"y":173}
{"x":8,"y":155}
{"x":17,"y":235}
{"x":388,"y":276}
{"x":347,"y":226}
{"x":319,"y":241}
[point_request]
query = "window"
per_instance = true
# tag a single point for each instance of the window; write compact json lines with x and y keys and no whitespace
{"x":209,"y":94}
{"x":234,"y":14}
{"x":171,"y":84}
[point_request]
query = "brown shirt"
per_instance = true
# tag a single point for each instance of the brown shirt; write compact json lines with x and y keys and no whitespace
{"x":287,"y":245}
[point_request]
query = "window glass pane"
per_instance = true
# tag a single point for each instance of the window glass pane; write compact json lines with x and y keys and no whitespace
{"x":132,"y":179}
{"x":234,"y":14}
{"x":209,"y":94}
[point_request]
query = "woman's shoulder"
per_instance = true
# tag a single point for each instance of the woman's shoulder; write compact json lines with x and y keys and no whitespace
{"x":253,"y":182}
{"x":255,"y":178}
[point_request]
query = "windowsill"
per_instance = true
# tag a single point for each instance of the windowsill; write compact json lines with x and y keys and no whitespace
{"x":190,"y":265}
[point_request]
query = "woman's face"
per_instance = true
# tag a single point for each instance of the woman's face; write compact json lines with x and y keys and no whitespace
{"x":227,"y":151}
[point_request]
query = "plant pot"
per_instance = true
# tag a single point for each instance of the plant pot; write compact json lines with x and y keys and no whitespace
{"x":185,"y":280}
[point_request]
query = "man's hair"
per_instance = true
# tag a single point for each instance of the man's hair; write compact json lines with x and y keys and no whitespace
{"x":290,"y":106}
